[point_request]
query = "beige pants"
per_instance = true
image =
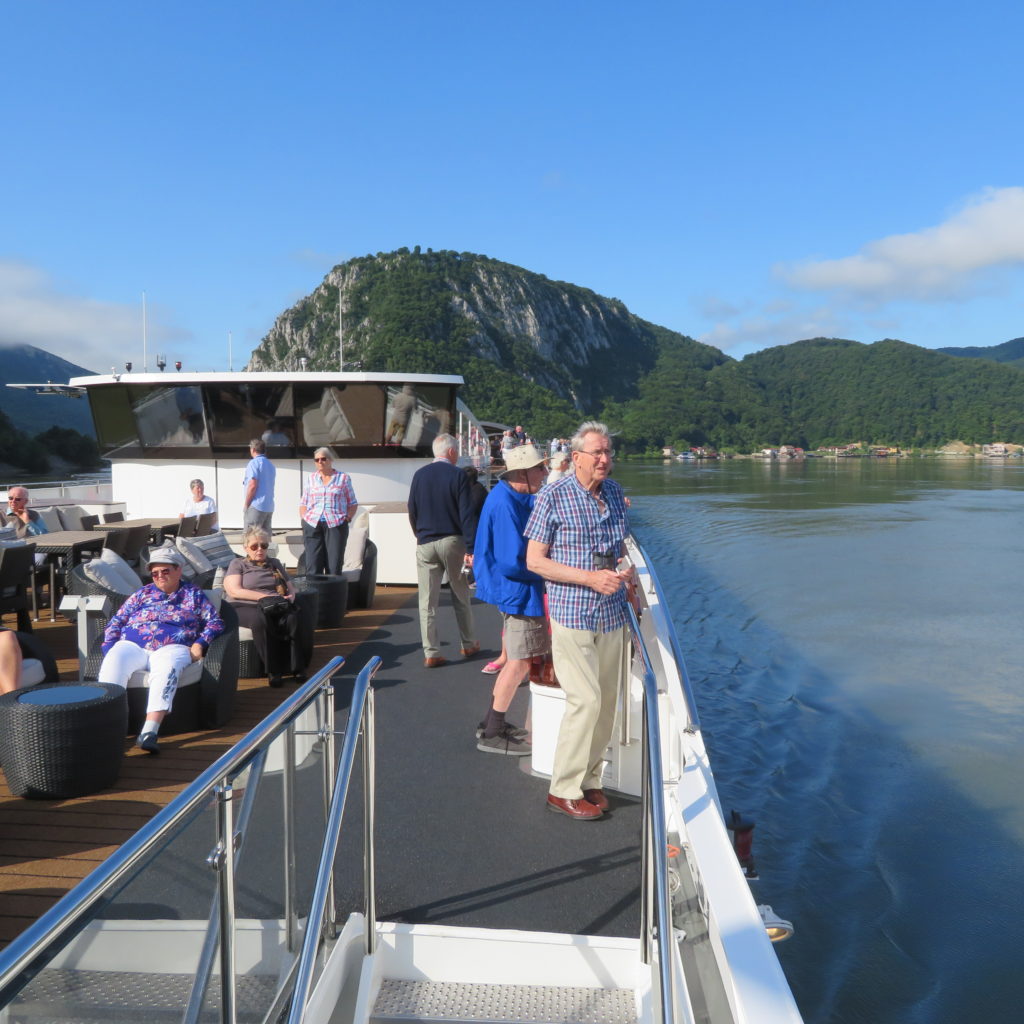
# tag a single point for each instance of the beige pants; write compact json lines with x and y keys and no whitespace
{"x":590,"y":668}
{"x":433,"y":560}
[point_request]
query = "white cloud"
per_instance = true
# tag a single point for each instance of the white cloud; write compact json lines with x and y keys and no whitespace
{"x":87,"y":332}
{"x":937,"y":263}
{"x":774,"y":325}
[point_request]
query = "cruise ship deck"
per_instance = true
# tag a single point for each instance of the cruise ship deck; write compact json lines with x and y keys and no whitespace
{"x":463,"y":837}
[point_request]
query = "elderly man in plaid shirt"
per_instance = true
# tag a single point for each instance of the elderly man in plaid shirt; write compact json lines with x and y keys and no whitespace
{"x":576,"y":537}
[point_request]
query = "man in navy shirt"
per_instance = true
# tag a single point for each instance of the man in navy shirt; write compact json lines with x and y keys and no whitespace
{"x":441,"y":516}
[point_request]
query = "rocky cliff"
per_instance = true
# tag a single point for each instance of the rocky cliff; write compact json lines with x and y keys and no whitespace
{"x":444,"y":312}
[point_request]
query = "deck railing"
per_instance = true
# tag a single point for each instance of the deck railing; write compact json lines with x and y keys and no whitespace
{"x":36,"y":948}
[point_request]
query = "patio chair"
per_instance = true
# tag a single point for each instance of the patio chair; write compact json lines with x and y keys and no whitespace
{"x":188,"y":526}
{"x":207,"y":701}
{"x":90,"y":522}
{"x":205,"y":525}
{"x":113,"y":517}
{"x":17,"y":575}
{"x":136,"y":540}
{"x":360,"y":568}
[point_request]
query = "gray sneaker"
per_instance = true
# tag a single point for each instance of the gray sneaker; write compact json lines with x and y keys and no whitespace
{"x":516,"y":731}
{"x":506,"y":742}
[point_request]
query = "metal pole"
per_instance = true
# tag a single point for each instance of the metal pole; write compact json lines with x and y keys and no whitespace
{"x":369,"y":799}
{"x":291,"y":917}
{"x":226,"y":879}
{"x":331,"y":922}
{"x":341,"y":334}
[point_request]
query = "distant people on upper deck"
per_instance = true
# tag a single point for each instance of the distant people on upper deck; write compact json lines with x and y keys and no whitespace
{"x":507,"y":441}
{"x":259,"y":480}
{"x":327,"y":506}
{"x":560,"y":465}
{"x":199,"y":503}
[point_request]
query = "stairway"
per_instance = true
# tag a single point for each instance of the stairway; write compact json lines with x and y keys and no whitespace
{"x":523,"y":1004}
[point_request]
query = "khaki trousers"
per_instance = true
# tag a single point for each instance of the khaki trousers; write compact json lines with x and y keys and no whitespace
{"x":590,"y":668}
{"x":433,"y":560}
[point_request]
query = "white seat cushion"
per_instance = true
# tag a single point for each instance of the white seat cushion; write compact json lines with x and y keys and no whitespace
{"x":355,"y":547}
{"x":244,"y":633}
{"x":196,"y":559}
{"x":216,"y":549}
{"x":51,"y":517}
{"x":111,"y":576}
{"x":32,"y":672}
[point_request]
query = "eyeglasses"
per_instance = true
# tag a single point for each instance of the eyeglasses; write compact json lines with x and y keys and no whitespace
{"x":259,"y":547}
{"x":601,"y":453}
{"x":321,"y":460}
{"x":166,"y":571}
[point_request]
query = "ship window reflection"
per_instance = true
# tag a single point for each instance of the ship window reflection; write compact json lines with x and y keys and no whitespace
{"x":417,"y":413}
{"x":240,"y":412}
{"x":169,"y":417}
{"x":112,"y":415}
{"x":344,"y":415}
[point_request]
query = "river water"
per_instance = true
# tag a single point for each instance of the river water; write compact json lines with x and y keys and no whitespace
{"x":853,"y":631}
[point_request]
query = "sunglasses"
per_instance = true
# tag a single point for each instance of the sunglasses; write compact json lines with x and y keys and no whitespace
{"x":166,"y":571}
{"x":321,"y":460}
{"x":259,"y":546}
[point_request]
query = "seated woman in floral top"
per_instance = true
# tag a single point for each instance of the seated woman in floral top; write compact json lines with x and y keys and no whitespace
{"x":162,"y":629}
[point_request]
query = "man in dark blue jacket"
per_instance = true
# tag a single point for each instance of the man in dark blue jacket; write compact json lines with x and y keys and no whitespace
{"x":442,"y":519}
{"x":503,"y":580}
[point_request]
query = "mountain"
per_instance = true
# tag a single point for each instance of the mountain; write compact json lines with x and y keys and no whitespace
{"x":549,"y":354}
{"x":30,"y":413}
{"x":1010,"y":352}
{"x":531,"y":350}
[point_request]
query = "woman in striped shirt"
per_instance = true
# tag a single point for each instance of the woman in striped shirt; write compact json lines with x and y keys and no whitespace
{"x":327,"y":507}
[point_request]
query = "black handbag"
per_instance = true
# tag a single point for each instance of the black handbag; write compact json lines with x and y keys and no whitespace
{"x":274,"y":606}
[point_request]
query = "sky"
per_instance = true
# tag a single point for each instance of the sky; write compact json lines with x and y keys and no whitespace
{"x":743,"y":172}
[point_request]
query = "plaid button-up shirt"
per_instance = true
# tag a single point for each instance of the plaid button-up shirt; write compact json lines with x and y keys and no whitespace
{"x":568,"y":519}
{"x":328,"y":501}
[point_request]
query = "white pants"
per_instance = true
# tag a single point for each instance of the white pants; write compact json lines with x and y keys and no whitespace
{"x":164,"y":666}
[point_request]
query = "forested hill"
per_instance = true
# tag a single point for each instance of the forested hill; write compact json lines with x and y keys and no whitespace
{"x":531,"y":350}
{"x":547,"y":354}
{"x":1010,"y":352}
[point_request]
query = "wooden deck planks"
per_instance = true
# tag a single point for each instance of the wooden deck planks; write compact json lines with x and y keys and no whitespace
{"x":47,"y":847}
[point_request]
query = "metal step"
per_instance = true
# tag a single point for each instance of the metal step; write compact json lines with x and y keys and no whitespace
{"x":99,"y":997}
{"x":522,"y":1004}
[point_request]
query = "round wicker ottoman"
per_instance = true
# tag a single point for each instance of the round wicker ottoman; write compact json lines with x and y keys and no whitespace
{"x":62,"y":740}
{"x":333,"y":597}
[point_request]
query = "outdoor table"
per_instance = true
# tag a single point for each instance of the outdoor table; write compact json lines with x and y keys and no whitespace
{"x":160,"y":528}
{"x":66,"y":546}
{"x":62,"y":740}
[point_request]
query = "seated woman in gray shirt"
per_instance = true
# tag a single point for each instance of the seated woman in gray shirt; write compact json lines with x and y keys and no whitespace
{"x":276,"y":633}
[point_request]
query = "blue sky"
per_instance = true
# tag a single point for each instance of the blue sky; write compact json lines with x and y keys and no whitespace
{"x":743,"y":172}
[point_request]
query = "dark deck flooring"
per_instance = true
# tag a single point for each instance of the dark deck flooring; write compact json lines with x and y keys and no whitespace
{"x":462,"y":837}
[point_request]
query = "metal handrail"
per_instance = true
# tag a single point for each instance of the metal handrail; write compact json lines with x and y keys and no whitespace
{"x":693,"y":723}
{"x":654,"y":896}
{"x":360,"y":718}
{"x":19,"y":957}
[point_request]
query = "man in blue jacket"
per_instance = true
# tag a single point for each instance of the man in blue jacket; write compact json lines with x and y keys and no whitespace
{"x":503,"y":580}
{"x":441,"y":516}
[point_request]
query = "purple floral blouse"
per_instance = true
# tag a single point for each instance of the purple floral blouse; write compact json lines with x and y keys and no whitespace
{"x":153,"y":619}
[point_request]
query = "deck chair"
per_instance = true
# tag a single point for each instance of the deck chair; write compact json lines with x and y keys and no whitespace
{"x":205,"y":525}
{"x":137,"y":538}
{"x":188,"y":526}
{"x":17,"y":575}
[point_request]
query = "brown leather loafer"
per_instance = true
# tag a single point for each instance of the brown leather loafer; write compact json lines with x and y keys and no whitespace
{"x":578,"y":810}
{"x":597,"y":798}
{"x":468,"y":652}
{"x":434,"y":662}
